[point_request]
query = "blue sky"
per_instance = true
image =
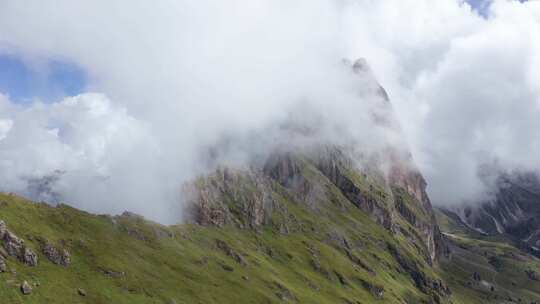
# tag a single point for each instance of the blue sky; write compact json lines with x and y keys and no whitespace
{"x":50,"y":82}
{"x":481,"y":6}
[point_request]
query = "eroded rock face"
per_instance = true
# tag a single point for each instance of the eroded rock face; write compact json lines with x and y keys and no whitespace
{"x":57,"y":256}
{"x":242,"y":198}
{"x":30,"y":257}
{"x":333,"y":164}
{"x":423,"y":282}
{"x":249,"y":198}
{"x":15,"y":246}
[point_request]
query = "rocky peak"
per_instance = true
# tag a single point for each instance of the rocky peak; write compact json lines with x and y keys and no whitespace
{"x":361,"y":67}
{"x":387,"y":186}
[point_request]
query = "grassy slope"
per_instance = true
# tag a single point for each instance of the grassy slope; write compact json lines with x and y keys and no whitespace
{"x":182,"y":264}
{"x":498,"y":262}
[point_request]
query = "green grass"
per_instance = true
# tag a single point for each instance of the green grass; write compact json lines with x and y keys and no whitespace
{"x":182,"y":264}
{"x":498,"y":262}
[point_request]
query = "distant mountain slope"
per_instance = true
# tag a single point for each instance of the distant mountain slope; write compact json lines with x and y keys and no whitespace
{"x":487,"y":269}
{"x":513,"y":211}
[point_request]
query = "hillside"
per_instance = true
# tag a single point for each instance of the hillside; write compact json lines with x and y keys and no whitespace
{"x":347,"y":243}
{"x":487,"y":269}
{"x":335,"y":253}
{"x":288,"y":233}
{"x":512,"y":211}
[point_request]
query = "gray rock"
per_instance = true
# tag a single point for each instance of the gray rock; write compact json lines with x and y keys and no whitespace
{"x":3,"y":229}
{"x":81,"y":292}
{"x":250,"y":191}
{"x":376,"y":290}
{"x":227,"y":267}
{"x":112,"y":273}
{"x":30,"y":257}
{"x":13,"y":244}
{"x":222,"y":245}
{"x":284,"y":294}
{"x":57,"y":256}
{"x":532,"y":275}
{"x":3,"y":253}
{"x":26,"y":289}
{"x":3,"y":266}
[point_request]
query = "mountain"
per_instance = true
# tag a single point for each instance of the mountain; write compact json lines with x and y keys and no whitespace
{"x":513,"y":210}
{"x":319,"y":222}
{"x":487,"y":268}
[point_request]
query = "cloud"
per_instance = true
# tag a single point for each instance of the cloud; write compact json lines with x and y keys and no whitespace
{"x":174,"y":79}
{"x":179,"y":76}
{"x":83,"y":149}
{"x":466,"y":88}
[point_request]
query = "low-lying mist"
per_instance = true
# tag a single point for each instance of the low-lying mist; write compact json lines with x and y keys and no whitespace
{"x":170,"y":81}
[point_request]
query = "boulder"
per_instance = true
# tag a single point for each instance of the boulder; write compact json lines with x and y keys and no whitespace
{"x":57,"y":256}
{"x":26,"y":289}
{"x":29,"y":257}
{"x":13,"y":245}
{"x":3,"y":266}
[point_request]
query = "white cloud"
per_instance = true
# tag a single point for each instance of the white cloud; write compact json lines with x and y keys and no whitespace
{"x":178,"y":77}
{"x":466,"y":88}
{"x":5,"y":127}
{"x":101,"y":151}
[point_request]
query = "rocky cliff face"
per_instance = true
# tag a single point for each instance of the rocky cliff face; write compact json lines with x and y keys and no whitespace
{"x":514,"y":210}
{"x":293,"y":189}
{"x":386,"y":185}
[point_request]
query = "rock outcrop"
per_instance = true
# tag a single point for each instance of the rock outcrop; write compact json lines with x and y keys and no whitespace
{"x":57,"y":256}
{"x":3,"y":265}
{"x":26,"y":289}
{"x":15,"y":246}
{"x":228,"y":196}
{"x":386,"y":185}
